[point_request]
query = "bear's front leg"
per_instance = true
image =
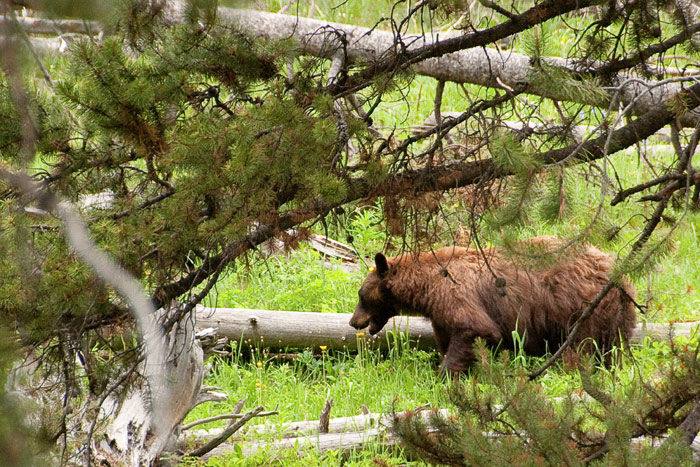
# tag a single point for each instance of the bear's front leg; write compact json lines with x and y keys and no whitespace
{"x":460,"y":352}
{"x":442,"y":339}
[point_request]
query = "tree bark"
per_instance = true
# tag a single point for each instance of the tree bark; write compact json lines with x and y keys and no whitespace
{"x":130,"y":435}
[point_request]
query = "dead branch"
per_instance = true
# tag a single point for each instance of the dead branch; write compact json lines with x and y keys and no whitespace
{"x":231,"y":416}
{"x":226,"y":434}
{"x":324,"y":419}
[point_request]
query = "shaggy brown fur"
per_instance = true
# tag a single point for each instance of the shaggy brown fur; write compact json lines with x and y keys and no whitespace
{"x":455,"y":290}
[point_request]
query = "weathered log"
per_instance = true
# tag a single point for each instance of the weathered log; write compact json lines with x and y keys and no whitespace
{"x":297,"y":429}
{"x":35,"y":25}
{"x":321,"y":442}
{"x":480,"y":66}
{"x":354,"y":440}
{"x":296,"y":329}
{"x":345,"y":433}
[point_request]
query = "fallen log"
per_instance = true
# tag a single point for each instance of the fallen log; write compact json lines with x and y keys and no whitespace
{"x":321,"y":442}
{"x":349,"y":433}
{"x":344,"y":433}
{"x":481,"y":66}
{"x":50,"y":26}
{"x":292,"y":429}
{"x":298,"y":329}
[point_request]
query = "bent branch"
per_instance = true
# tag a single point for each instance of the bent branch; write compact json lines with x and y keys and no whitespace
{"x":428,"y":179}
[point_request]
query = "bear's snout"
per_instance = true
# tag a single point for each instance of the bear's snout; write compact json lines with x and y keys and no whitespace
{"x":360,"y":319}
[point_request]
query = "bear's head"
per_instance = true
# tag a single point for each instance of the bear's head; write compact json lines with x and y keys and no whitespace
{"x":377,"y":304}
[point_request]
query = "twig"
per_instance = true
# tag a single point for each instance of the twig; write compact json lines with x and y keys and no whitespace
{"x":624,"y":194}
{"x":226,"y":434}
{"x":497,"y":8}
{"x":145,"y":204}
{"x":223,"y":417}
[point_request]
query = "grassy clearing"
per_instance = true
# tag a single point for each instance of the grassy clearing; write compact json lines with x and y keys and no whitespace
{"x":403,"y":378}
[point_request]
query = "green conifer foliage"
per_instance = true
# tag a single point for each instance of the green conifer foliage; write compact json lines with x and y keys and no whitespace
{"x":189,"y":132}
{"x":502,"y":418}
{"x":185,"y":144}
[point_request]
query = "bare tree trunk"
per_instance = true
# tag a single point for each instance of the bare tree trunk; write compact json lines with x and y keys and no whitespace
{"x":130,"y":434}
{"x":119,"y":427}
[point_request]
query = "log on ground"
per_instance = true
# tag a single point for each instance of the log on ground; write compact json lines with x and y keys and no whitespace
{"x":298,"y":329}
{"x":301,"y":329}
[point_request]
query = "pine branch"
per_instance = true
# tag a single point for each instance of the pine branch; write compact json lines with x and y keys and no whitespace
{"x":405,"y":58}
{"x":641,"y":56}
{"x":412,"y":182}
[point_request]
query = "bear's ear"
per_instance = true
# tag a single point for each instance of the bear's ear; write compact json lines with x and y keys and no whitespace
{"x":382,"y":265}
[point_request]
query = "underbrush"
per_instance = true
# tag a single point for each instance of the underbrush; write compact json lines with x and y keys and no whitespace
{"x":401,"y":378}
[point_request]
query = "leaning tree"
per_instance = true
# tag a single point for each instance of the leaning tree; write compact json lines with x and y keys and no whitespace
{"x":173,"y":139}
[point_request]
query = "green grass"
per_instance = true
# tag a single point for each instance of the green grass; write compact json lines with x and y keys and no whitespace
{"x":301,"y":284}
{"x":398,"y":380}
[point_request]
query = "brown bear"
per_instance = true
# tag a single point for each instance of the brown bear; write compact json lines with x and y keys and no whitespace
{"x":465,"y":298}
